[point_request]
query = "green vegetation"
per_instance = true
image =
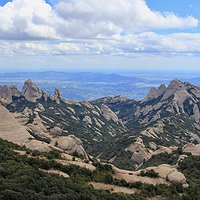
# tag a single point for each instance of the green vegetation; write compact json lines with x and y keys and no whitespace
{"x":151,"y":173}
{"x":22,"y":179}
{"x":191,"y":168}
{"x":163,"y":158}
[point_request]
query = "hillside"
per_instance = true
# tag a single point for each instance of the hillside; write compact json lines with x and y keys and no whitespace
{"x":83,"y":145}
{"x":120,"y":130}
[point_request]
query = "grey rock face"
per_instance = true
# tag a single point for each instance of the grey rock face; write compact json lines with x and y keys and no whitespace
{"x":109,"y":114}
{"x":31,"y":92}
{"x":11,"y":129}
{"x":57,"y":93}
{"x":7,"y":92}
{"x":178,"y":97}
{"x":71,"y":144}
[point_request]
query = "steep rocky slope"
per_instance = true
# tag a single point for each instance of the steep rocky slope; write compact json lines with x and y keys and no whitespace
{"x":48,"y":117}
{"x":123,"y":131}
{"x":166,"y":119}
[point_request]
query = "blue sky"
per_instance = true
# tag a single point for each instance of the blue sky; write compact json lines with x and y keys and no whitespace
{"x":180,"y":7}
{"x":111,"y":35}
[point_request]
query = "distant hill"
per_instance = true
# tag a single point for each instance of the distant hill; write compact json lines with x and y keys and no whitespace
{"x":66,"y":76}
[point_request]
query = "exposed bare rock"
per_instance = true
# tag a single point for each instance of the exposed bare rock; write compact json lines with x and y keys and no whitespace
{"x":38,"y":129}
{"x":87,"y":104}
{"x":71,"y":144}
{"x":53,"y":171}
{"x":3,"y":101}
{"x":56,"y":130}
{"x":154,"y":132}
{"x":31,"y":92}
{"x":40,"y":107}
{"x":192,"y":148}
{"x":97,"y":123}
{"x":177,"y":177}
{"x":57,"y":93}
{"x":173,"y":87}
{"x":140,"y":153}
{"x":7,"y":92}
{"x":163,"y":149}
{"x":72,"y":102}
{"x":71,"y":110}
{"x":178,"y":97}
{"x":21,"y":118}
{"x":152,"y":94}
{"x":87,"y":120}
{"x":109,"y":114}
{"x":96,"y":113}
{"x":153,"y":145}
{"x":169,"y":173}
{"x":27,"y":112}
{"x":45,"y":95}
{"x":38,"y":145}
{"x":11,"y":129}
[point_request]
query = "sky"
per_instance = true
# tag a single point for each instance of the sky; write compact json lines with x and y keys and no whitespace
{"x":93,"y":35}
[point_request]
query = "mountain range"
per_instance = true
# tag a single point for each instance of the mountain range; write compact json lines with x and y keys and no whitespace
{"x":128,"y":134}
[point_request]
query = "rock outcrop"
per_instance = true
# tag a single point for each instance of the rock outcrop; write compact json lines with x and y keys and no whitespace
{"x":31,"y":92}
{"x":192,"y":148}
{"x":7,"y":92}
{"x":71,"y":144}
{"x":179,"y":97}
{"x":57,"y":93}
{"x":139,"y":152}
{"x":169,"y":173}
{"x":109,"y":114}
{"x":11,"y":129}
{"x":87,"y":120}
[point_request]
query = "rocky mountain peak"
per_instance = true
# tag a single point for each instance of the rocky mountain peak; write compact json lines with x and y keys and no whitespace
{"x":31,"y":92}
{"x":178,"y":97}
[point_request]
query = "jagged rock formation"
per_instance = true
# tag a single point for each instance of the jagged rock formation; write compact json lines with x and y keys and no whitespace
{"x":57,"y":93}
{"x":178,"y":97}
{"x":167,"y":117}
{"x":7,"y":92}
{"x":31,"y":92}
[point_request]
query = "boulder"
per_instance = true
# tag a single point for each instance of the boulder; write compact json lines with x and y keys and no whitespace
{"x":56,"y":130}
{"x":87,"y":120}
{"x":176,"y":177}
{"x":71,"y":144}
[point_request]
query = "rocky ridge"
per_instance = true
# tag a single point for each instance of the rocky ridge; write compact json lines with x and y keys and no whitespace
{"x":111,"y":127}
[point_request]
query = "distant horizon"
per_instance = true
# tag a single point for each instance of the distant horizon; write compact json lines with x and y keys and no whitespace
{"x":118,"y":72}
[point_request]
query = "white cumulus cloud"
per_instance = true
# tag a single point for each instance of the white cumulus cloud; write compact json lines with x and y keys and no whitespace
{"x":36,"y":19}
